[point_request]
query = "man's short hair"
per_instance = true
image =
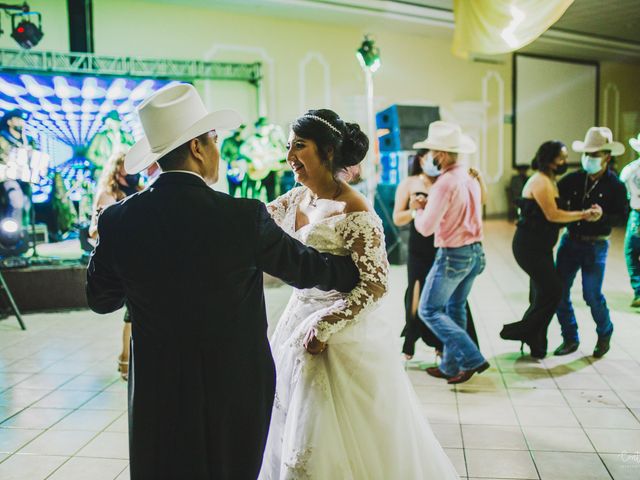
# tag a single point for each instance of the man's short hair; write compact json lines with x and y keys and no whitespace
{"x":177,"y":157}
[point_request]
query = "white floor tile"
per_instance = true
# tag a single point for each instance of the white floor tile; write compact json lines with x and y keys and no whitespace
{"x":11,"y":439}
{"x":500,"y":464}
{"x":31,"y":467}
{"x":81,"y":468}
{"x":493,"y":437}
{"x":38,"y":418}
{"x":54,"y":442}
{"x":547,"y":416}
{"x":570,"y":466}
{"x":623,"y":465}
{"x":606,"y":418}
{"x":107,"y":445}
{"x":610,"y":440}
{"x":557,"y":439}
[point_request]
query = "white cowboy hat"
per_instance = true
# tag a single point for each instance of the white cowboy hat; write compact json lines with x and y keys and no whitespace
{"x":635,"y":143}
{"x":446,"y":137}
{"x":171,"y":117}
{"x":596,"y":139}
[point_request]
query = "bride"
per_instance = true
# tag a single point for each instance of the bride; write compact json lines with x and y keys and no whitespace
{"x":344,"y":407}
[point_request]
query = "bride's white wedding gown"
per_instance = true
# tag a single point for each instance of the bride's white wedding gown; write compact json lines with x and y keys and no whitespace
{"x":349,"y":413}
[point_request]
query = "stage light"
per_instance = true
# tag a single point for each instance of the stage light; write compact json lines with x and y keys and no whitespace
{"x":368,"y":54}
{"x":91,"y":90}
{"x":117,"y":90}
{"x":9,"y":225}
{"x":11,"y":89}
{"x":34,"y":88}
{"x":26,"y":33}
{"x":63,"y":89}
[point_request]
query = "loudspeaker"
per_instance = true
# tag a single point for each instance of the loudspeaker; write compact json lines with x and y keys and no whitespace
{"x":407,"y":124}
{"x":396,"y":247}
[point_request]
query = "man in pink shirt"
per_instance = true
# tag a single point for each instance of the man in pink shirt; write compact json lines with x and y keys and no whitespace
{"x":454,"y":213}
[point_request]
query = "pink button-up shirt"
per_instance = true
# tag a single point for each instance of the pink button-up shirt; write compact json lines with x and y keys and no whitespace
{"x":454,"y":209}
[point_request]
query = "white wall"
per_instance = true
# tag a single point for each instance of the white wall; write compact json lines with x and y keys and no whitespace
{"x":312,"y":64}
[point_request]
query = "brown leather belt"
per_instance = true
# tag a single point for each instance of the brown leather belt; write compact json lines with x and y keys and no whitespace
{"x":588,"y":238}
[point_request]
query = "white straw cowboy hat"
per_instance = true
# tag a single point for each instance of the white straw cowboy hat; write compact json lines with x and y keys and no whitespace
{"x":171,"y":117}
{"x":597,"y":139}
{"x":635,"y":143}
{"x":446,"y":137}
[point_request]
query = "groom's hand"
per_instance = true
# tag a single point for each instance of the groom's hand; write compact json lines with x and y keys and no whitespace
{"x":312,"y":344}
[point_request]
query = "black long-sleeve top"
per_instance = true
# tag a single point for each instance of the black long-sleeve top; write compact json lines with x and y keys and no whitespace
{"x":580,"y":192}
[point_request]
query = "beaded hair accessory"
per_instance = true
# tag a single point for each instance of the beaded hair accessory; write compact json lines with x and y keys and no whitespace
{"x":328,"y":124}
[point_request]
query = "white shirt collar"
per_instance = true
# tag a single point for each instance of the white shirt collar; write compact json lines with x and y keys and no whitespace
{"x":185,"y":171}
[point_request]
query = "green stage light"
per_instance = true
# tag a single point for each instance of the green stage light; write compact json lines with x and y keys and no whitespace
{"x":368,"y":54}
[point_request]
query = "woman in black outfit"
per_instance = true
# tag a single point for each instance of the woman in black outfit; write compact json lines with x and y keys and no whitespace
{"x":422,"y":253}
{"x":540,"y":220}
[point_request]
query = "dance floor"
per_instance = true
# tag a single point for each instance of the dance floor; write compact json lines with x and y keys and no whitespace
{"x":63,"y":406}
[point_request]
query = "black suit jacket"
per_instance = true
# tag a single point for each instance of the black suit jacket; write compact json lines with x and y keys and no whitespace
{"x":188,"y":261}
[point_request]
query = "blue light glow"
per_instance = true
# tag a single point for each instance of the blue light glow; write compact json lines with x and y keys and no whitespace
{"x":65,"y":112}
{"x":72,"y":108}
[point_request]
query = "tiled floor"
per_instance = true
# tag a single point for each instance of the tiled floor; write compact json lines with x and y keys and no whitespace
{"x":63,"y":408}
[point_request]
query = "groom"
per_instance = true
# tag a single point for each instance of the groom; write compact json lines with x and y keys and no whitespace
{"x":189,"y":261}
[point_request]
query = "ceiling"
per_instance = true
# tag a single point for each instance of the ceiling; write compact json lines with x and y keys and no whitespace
{"x":589,"y":29}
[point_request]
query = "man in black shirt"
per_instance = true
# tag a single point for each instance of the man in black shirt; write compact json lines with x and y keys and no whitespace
{"x":584,"y":246}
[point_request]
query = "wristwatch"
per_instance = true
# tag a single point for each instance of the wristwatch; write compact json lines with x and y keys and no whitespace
{"x":414,"y":212}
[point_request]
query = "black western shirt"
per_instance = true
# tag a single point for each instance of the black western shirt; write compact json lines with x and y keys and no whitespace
{"x":580,"y":192}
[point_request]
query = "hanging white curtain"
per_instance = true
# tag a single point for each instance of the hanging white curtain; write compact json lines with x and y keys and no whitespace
{"x":492,"y":27}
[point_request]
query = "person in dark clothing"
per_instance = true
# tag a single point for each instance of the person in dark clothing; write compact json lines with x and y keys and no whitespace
{"x":584,"y":246}
{"x":422,"y":253}
{"x":514,"y":190}
{"x":538,"y":226}
{"x":201,"y":379}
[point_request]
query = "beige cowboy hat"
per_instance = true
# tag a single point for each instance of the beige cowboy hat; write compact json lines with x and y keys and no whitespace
{"x":597,"y":139}
{"x":171,"y":117}
{"x":446,"y":137}
{"x":635,"y":143}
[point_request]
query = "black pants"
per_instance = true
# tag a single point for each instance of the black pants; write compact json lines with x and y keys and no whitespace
{"x":534,"y":253}
{"x":418,"y":266}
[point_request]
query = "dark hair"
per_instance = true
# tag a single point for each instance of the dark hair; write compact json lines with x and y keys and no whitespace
{"x":546,"y":154}
{"x":15,"y":113}
{"x":176,"y":158}
{"x":416,"y":166}
{"x":349,"y":143}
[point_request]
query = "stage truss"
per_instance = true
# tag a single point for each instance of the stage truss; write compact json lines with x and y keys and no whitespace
{"x":91,"y":64}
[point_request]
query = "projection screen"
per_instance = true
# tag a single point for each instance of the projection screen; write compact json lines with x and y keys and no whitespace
{"x":554,"y":99}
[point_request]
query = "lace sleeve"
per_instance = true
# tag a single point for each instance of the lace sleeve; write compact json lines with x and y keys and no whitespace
{"x":278,"y":208}
{"x":364,"y":238}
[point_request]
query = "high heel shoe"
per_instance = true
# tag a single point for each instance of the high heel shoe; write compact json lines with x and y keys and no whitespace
{"x":537,"y":345}
{"x":511,"y":332}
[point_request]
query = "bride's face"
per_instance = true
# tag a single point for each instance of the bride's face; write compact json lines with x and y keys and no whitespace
{"x":304,"y":159}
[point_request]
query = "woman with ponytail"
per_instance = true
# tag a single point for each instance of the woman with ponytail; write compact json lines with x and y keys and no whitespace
{"x":540,"y":220}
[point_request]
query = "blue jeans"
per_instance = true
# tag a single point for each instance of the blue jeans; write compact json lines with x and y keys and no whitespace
{"x":632,"y":250}
{"x":590,"y":258}
{"x":442,"y":305}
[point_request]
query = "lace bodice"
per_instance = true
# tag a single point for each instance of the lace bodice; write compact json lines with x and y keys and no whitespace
{"x":359,"y":234}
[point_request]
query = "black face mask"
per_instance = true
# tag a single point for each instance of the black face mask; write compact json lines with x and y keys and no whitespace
{"x":561,"y":169}
{"x":132,"y":182}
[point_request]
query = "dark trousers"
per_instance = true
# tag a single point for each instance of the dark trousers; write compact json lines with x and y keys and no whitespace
{"x":590,"y":259}
{"x":534,"y":253}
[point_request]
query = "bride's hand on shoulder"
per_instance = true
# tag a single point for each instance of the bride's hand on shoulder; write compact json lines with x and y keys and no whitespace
{"x":312,"y":344}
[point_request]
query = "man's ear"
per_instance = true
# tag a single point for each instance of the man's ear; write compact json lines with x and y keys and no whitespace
{"x":195,"y":147}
